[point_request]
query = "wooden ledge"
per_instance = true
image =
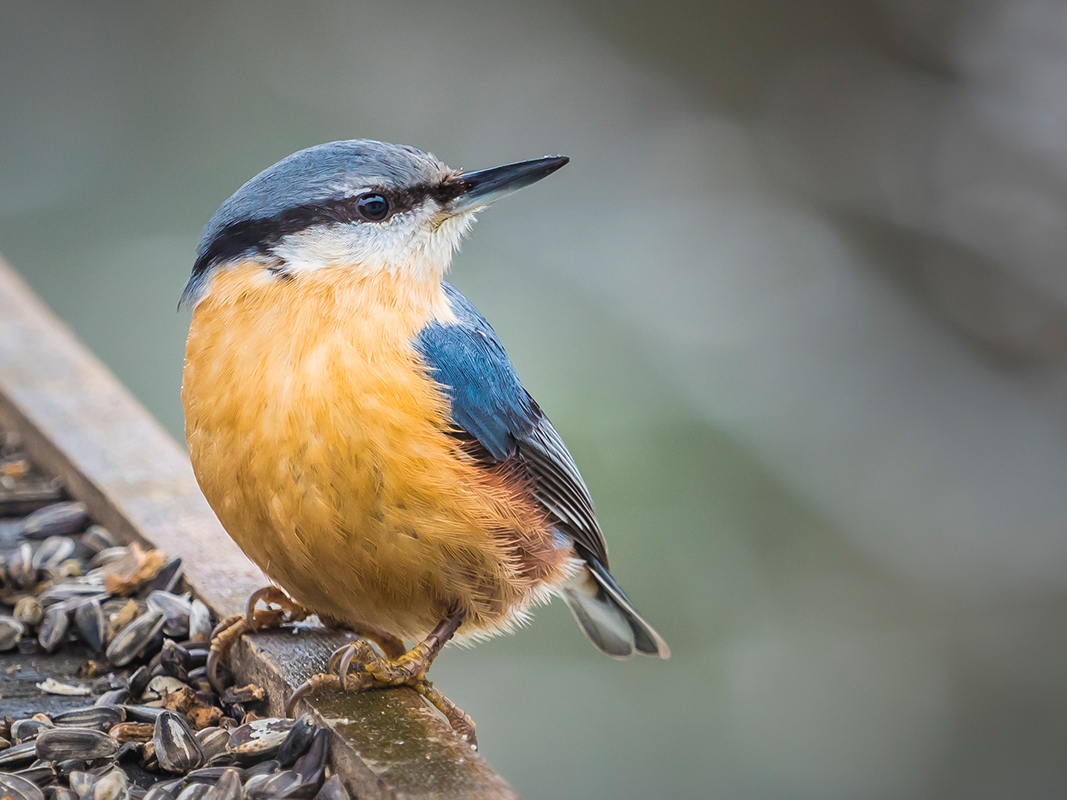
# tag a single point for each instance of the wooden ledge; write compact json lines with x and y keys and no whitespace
{"x":79,"y":423}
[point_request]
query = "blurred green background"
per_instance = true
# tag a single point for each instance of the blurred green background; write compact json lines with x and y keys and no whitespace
{"x":798,"y":305}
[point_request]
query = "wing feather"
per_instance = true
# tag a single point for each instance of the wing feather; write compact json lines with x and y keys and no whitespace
{"x":490,"y":405}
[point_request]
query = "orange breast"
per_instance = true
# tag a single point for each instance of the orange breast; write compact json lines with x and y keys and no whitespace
{"x":322,"y":444}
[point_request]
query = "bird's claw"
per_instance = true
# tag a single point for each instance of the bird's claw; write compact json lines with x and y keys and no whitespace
{"x":229,"y":630}
{"x":402,"y":671}
{"x":286,"y":609}
{"x":374,"y":672}
{"x":460,"y":721}
{"x":223,"y":638}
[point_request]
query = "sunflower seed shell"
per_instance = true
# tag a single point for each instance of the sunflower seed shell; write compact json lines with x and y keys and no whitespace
{"x":18,"y":788}
{"x":60,"y":744}
{"x":99,"y":717}
{"x":58,"y":519}
{"x":53,"y":630}
{"x":134,"y":638}
{"x":175,"y":744}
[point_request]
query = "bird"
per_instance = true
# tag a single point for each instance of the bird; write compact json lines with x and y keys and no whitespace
{"x":359,"y":430}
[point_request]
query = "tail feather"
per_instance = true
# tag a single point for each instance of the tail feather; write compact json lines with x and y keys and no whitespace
{"x":608,"y":618}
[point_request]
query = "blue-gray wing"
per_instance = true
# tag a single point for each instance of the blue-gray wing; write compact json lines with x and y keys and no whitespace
{"x":491,"y":407}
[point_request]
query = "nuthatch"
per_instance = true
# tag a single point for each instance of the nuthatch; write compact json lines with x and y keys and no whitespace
{"x":359,"y":430}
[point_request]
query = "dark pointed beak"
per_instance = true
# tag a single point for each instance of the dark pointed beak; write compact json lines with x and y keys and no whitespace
{"x":489,"y":185}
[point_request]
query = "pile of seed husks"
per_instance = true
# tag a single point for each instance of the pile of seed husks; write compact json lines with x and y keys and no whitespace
{"x":156,"y":728}
{"x":145,"y":752}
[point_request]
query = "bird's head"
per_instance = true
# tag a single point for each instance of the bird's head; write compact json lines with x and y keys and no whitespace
{"x":358,"y":204}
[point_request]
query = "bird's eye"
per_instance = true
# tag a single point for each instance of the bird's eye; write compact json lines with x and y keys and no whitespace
{"x":373,"y":207}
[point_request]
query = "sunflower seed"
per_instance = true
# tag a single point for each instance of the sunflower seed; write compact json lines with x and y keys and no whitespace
{"x":261,"y":738}
{"x":63,"y":793}
{"x":194,"y":791}
{"x":140,"y":713}
{"x":311,"y":767}
{"x":130,"y":751}
{"x":198,"y":680}
{"x":253,"y":783}
{"x":175,"y":608}
{"x":23,"y":730}
{"x":113,"y":697}
{"x":18,"y":788}
{"x":108,"y":555}
{"x":53,"y":631}
{"x":149,"y":762}
{"x":139,"y":681}
{"x":20,"y":569}
{"x":160,"y":685}
{"x":213,"y":741}
{"x":297,"y":741}
{"x":211,"y":775}
{"x":100,"y":717}
{"x":176,"y":747}
{"x":199,"y":622}
{"x":285,"y":784}
{"x":228,"y":786}
{"x":53,"y":551}
{"x":113,"y":785}
{"x":89,"y":620}
{"x":333,"y":789}
{"x":71,"y":568}
{"x":19,"y":755}
{"x":40,"y":774}
{"x":263,"y":767}
{"x":65,"y":768}
{"x":119,"y":612}
{"x":168,"y":577}
{"x":58,"y":519}
{"x":134,"y":638}
{"x":72,"y":591}
{"x":198,"y":652}
{"x":97,"y":538}
{"x":160,"y":792}
{"x":175,"y":660}
{"x":60,"y":744}
{"x":81,"y":782}
{"x":11,"y":631}
{"x":28,"y":611}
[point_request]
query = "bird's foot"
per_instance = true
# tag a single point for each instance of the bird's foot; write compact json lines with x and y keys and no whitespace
{"x":405,"y":670}
{"x":357,"y":667}
{"x":229,"y":630}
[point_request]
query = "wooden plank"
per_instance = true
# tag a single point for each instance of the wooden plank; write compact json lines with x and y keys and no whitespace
{"x":77,"y":422}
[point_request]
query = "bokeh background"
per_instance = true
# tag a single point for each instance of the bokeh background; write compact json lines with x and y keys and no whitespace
{"x":798,"y":304}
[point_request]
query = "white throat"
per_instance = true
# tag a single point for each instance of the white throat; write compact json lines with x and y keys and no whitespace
{"x":420,"y":243}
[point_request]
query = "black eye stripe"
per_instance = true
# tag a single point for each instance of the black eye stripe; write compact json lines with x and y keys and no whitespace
{"x":257,"y":236}
{"x":443,"y":192}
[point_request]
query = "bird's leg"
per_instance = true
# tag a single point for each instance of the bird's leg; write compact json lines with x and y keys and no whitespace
{"x":231,"y":629}
{"x":374,"y":672}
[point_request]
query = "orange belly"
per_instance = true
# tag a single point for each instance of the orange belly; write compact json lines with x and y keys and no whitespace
{"x":322,"y":445}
